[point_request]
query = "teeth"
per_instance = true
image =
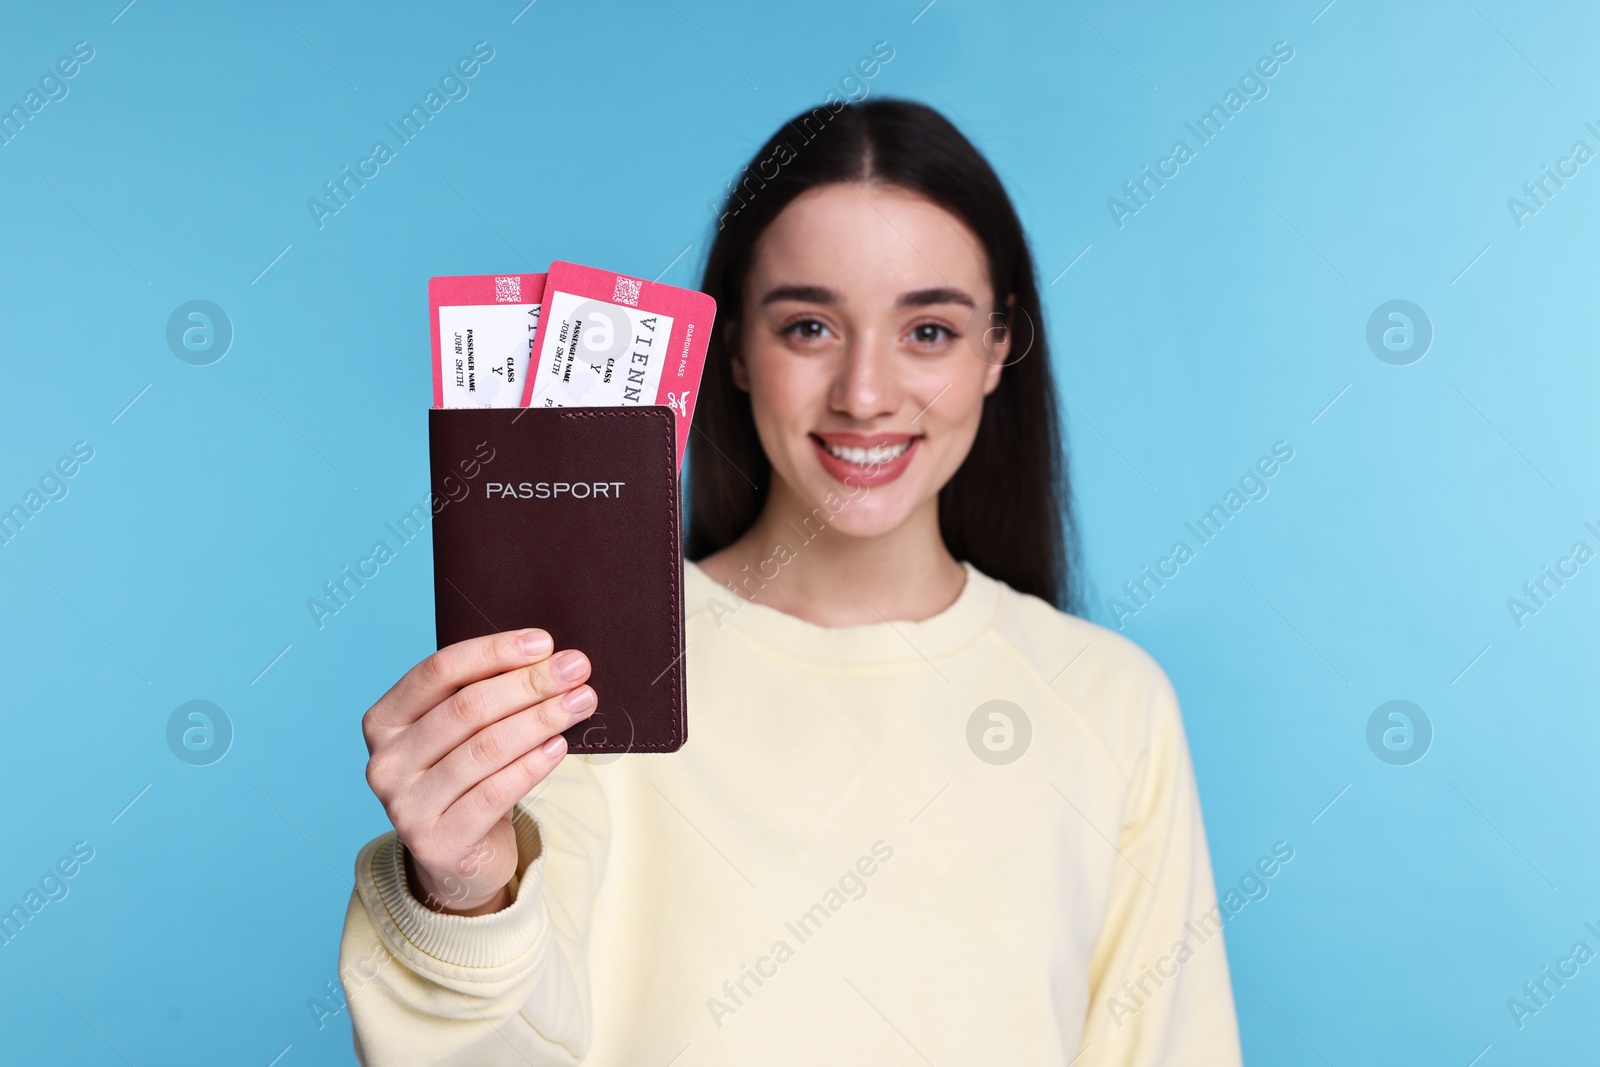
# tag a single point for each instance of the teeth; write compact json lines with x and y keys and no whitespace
{"x":877,"y":454}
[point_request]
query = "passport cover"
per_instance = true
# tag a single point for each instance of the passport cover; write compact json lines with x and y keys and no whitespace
{"x":567,"y":519}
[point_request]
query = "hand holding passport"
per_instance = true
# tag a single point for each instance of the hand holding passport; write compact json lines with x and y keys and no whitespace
{"x":562,"y":402}
{"x":568,"y":397}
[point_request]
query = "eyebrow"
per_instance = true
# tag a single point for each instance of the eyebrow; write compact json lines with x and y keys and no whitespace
{"x":819,"y":294}
{"x":929,"y":297}
{"x":805,"y":294}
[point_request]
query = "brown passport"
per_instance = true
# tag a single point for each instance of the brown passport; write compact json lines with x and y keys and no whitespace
{"x":567,"y":519}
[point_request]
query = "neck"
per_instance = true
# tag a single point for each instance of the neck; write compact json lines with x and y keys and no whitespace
{"x":785,"y":562}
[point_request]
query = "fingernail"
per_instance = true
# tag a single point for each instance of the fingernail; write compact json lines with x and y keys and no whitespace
{"x":555,"y":746}
{"x":535,"y":643}
{"x":569,"y":666}
{"x":579,"y":700}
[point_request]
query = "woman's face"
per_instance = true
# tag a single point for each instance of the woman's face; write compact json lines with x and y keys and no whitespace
{"x":866,"y":350}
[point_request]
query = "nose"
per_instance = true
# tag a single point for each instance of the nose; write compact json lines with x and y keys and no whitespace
{"x":867,"y":383}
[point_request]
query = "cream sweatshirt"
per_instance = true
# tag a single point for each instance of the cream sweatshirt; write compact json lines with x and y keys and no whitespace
{"x":971,"y":839}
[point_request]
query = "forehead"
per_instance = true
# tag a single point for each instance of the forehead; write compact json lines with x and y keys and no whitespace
{"x":870,"y":243}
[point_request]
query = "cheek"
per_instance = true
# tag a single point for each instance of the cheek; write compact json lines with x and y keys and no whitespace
{"x":786,"y":395}
{"x":953,"y":396}
{"x":952,"y":391}
{"x":772,"y":384}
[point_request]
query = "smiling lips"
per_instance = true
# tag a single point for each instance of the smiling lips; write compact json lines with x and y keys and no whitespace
{"x":865,"y":458}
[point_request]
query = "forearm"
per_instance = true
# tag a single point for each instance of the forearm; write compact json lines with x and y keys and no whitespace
{"x":508,"y":986}
{"x":429,"y":987}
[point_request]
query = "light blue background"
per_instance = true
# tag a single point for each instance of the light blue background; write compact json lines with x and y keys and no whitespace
{"x":1224,"y":317}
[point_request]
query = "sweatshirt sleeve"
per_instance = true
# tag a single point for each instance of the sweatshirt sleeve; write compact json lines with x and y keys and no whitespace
{"x":1159,"y":984}
{"x":507,"y":988}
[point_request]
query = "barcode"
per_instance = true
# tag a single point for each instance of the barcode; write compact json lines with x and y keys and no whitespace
{"x":626,"y":292}
{"x":508,"y":290}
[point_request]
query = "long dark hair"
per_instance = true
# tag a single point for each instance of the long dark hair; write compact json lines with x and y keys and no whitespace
{"x":1007,"y":510}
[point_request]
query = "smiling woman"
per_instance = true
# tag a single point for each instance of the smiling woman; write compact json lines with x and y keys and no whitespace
{"x":891,"y":228}
{"x":877,"y":660}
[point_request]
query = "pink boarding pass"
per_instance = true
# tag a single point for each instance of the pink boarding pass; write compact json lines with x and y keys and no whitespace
{"x":483,"y":330}
{"x":607,"y":340}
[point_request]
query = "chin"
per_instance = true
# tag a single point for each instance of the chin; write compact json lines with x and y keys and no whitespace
{"x":859,"y":510}
{"x":858,"y":520}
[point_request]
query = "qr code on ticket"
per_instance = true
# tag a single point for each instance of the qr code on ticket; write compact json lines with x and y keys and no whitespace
{"x":626,"y":292}
{"x":508,"y":290}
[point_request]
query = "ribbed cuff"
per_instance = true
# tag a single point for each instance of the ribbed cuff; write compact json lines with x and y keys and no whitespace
{"x":491,"y":940}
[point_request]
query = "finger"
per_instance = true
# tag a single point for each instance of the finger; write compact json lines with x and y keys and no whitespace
{"x":469,"y":710}
{"x":500,"y":744}
{"x":424,"y":686}
{"x":477,"y":810}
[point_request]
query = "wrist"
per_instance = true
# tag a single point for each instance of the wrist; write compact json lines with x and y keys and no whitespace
{"x":438,"y":899}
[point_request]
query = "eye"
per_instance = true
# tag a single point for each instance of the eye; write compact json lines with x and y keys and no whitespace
{"x":931,"y":334}
{"x":805,"y":330}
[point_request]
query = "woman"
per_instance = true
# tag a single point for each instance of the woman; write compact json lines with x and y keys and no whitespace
{"x":926,"y":815}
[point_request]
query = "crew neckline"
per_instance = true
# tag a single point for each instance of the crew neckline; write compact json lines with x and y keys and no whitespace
{"x":968,"y":615}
